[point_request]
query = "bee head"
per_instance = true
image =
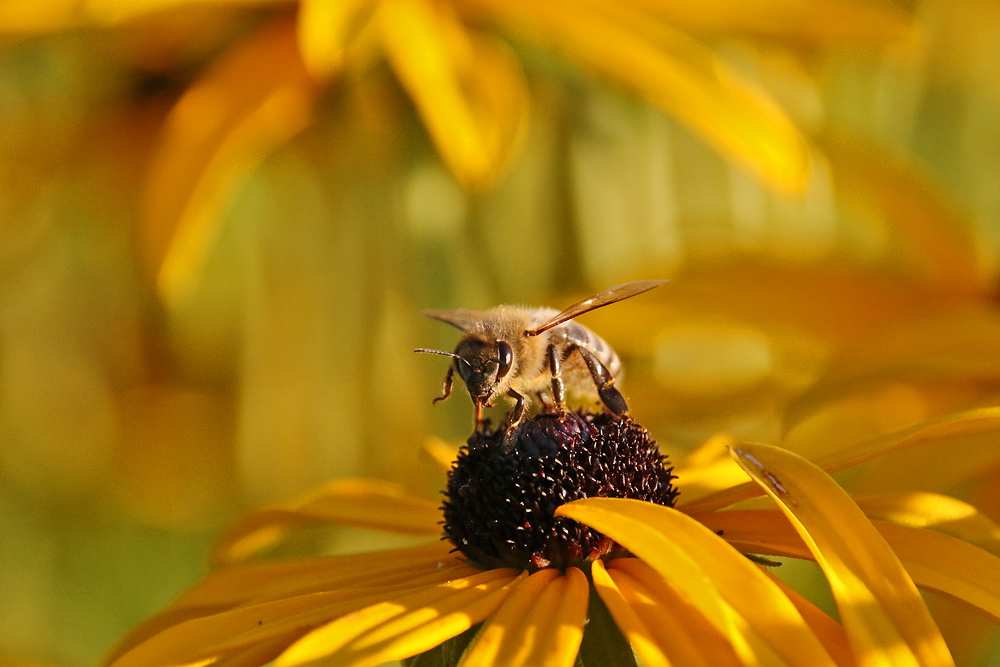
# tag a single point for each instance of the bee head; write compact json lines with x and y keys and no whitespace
{"x":483,"y":366}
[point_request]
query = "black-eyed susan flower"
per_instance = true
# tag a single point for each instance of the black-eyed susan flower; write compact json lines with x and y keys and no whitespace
{"x":565,"y":549}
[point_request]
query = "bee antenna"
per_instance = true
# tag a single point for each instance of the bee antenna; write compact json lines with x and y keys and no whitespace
{"x":441,"y":352}
{"x":426,"y":350}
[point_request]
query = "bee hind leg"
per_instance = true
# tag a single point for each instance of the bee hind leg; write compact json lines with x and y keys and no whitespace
{"x":610,"y":396}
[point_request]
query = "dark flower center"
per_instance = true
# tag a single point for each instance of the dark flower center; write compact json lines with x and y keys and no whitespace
{"x":500,"y":500}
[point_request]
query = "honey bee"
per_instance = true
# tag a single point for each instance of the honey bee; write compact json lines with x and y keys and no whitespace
{"x":519,"y":351}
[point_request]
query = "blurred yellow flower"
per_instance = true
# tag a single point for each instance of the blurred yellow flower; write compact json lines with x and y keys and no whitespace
{"x":466,"y":83}
{"x":671,"y":587}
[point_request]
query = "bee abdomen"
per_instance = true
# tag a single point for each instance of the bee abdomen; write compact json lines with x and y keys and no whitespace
{"x":584,"y":337}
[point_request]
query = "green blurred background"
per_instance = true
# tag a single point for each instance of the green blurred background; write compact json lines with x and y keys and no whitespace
{"x":133,"y":427}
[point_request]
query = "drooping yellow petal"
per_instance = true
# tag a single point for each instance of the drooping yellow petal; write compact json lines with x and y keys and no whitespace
{"x":643,"y":528}
{"x":885,"y":618}
{"x":495,"y":638}
{"x":557,"y":637}
{"x":353,"y":502}
{"x":638,"y":634}
{"x":717,"y":643}
{"x":468,"y":88}
{"x":324,"y":30}
{"x":935,"y":561}
{"x":660,"y":624}
{"x":829,"y":632}
{"x":406,"y":626}
{"x":255,"y":98}
{"x":672,"y":71}
{"x":541,"y":623}
{"x":935,"y":511}
{"x":664,"y":555}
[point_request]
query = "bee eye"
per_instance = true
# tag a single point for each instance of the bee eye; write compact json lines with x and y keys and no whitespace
{"x":504,"y":358}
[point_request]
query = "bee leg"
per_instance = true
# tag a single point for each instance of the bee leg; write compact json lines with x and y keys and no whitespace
{"x":446,"y":390}
{"x":612,"y":398}
{"x":517,"y":412}
{"x":558,"y":389}
{"x":513,"y":419}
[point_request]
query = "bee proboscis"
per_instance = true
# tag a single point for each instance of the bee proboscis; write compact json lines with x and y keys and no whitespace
{"x":516,"y":351}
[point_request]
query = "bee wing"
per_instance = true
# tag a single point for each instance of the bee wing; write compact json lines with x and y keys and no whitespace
{"x":460,"y":318}
{"x":607,"y":297}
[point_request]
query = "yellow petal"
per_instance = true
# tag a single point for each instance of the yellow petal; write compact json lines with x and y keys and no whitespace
{"x":941,"y":252}
{"x":885,"y":617}
{"x":664,"y":555}
{"x":935,"y":561}
{"x":29,"y":16}
{"x":406,"y":626}
{"x":942,"y":563}
{"x":469,"y":89}
{"x":672,"y":71}
{"x":718,"y":643}
{"x":324,"y":30}
{"x":257,"y":655}
{"x":703,"y":473}
{"x":829,"y":632}
{"x":952,"y":344}
{"x":557,"y":634}
{"x":834,"y":23}
{"x":216,"y":633}
{"x":442,"y":453}
{"x":639,"y":635}
{"x":495,"y":638}
{"x":659,"y":623}
{"x":957,"y":437}
{"x":935,"y":511}
{"x":110,"y":12}
{"x":363,"y":573}
{"x":541,"y":623}
{"x":353,"y":502}
{"x":643,"y":528}
{"x":239,"y":583}
{"x":255,"y":98}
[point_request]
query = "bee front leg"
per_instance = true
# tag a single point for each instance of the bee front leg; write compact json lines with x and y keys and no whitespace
{"x":514,"y":418}
{"x":517,"y":412}
{"x":605,"y":381}
{"x":558,"y":389}
{"x":446,"y":390}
